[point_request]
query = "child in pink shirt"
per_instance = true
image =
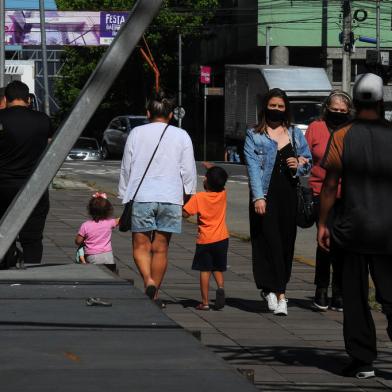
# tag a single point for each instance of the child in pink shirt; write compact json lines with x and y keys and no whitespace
{"x":95,"y":235}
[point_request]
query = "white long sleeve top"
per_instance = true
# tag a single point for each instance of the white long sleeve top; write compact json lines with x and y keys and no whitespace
{"x":173,"y":169}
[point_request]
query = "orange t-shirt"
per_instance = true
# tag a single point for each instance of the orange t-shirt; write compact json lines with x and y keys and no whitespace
{"x":210,"y":208}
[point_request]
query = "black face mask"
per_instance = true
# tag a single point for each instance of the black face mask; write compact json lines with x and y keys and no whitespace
{"x":275,"y":116}
{"x":335,"y":119}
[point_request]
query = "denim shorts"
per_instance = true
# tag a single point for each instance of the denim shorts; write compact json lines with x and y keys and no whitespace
{"x":156,"y":216}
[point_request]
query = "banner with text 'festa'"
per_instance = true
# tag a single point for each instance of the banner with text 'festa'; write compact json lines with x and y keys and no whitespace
{"x":63,"y":28}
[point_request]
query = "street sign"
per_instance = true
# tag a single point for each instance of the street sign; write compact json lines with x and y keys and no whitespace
{"x":384,"y":58}
{"x":217,"y":91}
{"x":205,"y":74}
{"x":179,"y":113}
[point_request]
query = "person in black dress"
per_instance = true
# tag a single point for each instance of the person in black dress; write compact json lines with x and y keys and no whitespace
{"x":276,"y":155}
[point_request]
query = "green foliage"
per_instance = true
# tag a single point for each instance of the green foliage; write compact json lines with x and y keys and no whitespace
{"x":176,"y":16}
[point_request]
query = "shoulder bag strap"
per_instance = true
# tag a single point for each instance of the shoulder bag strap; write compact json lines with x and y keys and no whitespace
{"x":149,"y":163}
{"x":294,"y":143}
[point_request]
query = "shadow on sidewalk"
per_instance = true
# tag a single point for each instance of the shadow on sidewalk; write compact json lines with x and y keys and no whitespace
{"x":330,"y":360}
{"x":247,"y":305}
{"x":31,"y":266}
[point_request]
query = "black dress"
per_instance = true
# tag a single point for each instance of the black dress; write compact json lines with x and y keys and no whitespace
{"x":273,"y":234}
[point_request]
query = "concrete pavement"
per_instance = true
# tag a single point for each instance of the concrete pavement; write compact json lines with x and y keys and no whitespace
{"x":303,"y":351}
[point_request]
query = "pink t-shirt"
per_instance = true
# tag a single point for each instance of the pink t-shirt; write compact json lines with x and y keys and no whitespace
{"x":97,"y":236}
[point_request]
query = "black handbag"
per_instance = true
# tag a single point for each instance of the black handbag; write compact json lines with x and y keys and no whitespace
{"x":305,"y":206}
{"x":125,"y":223}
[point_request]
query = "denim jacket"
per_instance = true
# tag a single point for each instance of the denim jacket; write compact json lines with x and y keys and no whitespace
{"x":260,"y":155}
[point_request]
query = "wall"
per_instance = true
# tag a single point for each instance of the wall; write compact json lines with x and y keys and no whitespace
{"x":299,"y":22}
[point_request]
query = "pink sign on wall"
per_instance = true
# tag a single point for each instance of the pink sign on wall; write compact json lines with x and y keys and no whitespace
{"x":205,"y":74}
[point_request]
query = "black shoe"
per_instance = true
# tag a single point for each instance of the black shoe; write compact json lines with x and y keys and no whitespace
{"x":337,"y":303}
{"x":359,"y":370}
{"x":321,"y":300}
{"x":220,"y":299}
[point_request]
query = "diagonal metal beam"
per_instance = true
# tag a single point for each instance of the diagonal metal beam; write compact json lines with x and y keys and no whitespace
{"x":88,"y":101}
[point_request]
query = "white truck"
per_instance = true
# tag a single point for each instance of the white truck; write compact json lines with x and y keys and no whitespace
{"x":23,"y":70}
{"x":245,"y":86}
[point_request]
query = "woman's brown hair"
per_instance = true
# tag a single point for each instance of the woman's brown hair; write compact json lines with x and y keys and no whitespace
{"x":273,"y":93}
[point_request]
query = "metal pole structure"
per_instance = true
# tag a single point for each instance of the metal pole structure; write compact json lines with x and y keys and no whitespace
{"x":267,"y":45}
{"x":2,"y":43}
{"x":88,"y":101}
{"x":324,"y":34}
{"x":44,"y":56}
{"x":179,"y":77}
{"x":205,"y":125}
{"x":346,"y":60}
{"x":378,"y":28}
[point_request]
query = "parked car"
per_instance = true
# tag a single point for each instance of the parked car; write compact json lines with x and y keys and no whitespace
{"x":116,"y":134}
{"x":85,"y":149}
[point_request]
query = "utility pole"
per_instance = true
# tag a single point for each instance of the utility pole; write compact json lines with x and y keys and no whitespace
{"x":179,"y":78}
{"x":205,"y":124}
{"x":267,"y":45}
{"x":346,"y":49}
{"x":324,"y":33}
{"x":378,"y":28}
{"x":44,"y":56}
{"x":2,"y":43}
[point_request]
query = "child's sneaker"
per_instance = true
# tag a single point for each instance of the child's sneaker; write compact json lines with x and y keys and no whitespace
{"x":220,"y":299}
{"x":281,"y":309}
{"x":272,"y":301}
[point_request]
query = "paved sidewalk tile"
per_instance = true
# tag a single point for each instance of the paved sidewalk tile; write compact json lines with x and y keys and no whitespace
{"x":301,"y":352}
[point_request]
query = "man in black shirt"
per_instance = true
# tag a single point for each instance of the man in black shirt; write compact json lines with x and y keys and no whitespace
{"x":24,"y":135}
{"x":360,"y":154}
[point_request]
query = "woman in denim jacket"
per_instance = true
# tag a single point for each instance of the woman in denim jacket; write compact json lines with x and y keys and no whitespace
{"x":276,"y":155}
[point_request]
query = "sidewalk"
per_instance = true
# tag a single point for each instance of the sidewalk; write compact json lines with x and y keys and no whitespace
{"x":301,"y":352}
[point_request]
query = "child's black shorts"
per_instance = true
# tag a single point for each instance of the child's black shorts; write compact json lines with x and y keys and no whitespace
{"x":211,"y":257}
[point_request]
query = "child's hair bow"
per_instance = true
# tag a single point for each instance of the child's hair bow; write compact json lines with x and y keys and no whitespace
{"x":99,"y":194}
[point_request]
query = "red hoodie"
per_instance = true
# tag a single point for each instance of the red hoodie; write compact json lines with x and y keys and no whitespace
{"x":317,"y":136}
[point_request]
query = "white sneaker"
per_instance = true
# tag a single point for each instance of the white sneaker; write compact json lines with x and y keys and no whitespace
{"x":272,"y":301}
{"x":281,"y":309}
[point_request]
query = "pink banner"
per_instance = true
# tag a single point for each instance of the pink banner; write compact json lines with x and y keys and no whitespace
{"x":205,"y":74}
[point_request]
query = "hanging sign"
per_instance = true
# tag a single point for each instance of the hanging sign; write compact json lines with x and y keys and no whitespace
{"x":205,"y":74}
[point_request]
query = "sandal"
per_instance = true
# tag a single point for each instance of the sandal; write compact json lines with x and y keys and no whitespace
{"x":160,"y":303}
{"x":220,"y":298}
{"x":151,"y":291}
{"x":202,"y":307}
{"x":94,"y":301}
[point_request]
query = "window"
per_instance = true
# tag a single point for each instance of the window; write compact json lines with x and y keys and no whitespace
{"x":136,"y":122}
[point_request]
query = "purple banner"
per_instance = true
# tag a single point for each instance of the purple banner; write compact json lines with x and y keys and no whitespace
{"x":63,"y":27}
{"x":111,"y":23}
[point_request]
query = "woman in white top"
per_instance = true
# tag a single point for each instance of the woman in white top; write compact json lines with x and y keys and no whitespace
{"x":157,"y":208}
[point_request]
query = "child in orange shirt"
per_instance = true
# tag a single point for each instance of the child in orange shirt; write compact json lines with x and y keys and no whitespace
{"x":213,"y":237}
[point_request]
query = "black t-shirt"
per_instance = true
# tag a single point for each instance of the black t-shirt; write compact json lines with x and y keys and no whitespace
{"x":362,"y":154}
{"x":24,"y":135}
